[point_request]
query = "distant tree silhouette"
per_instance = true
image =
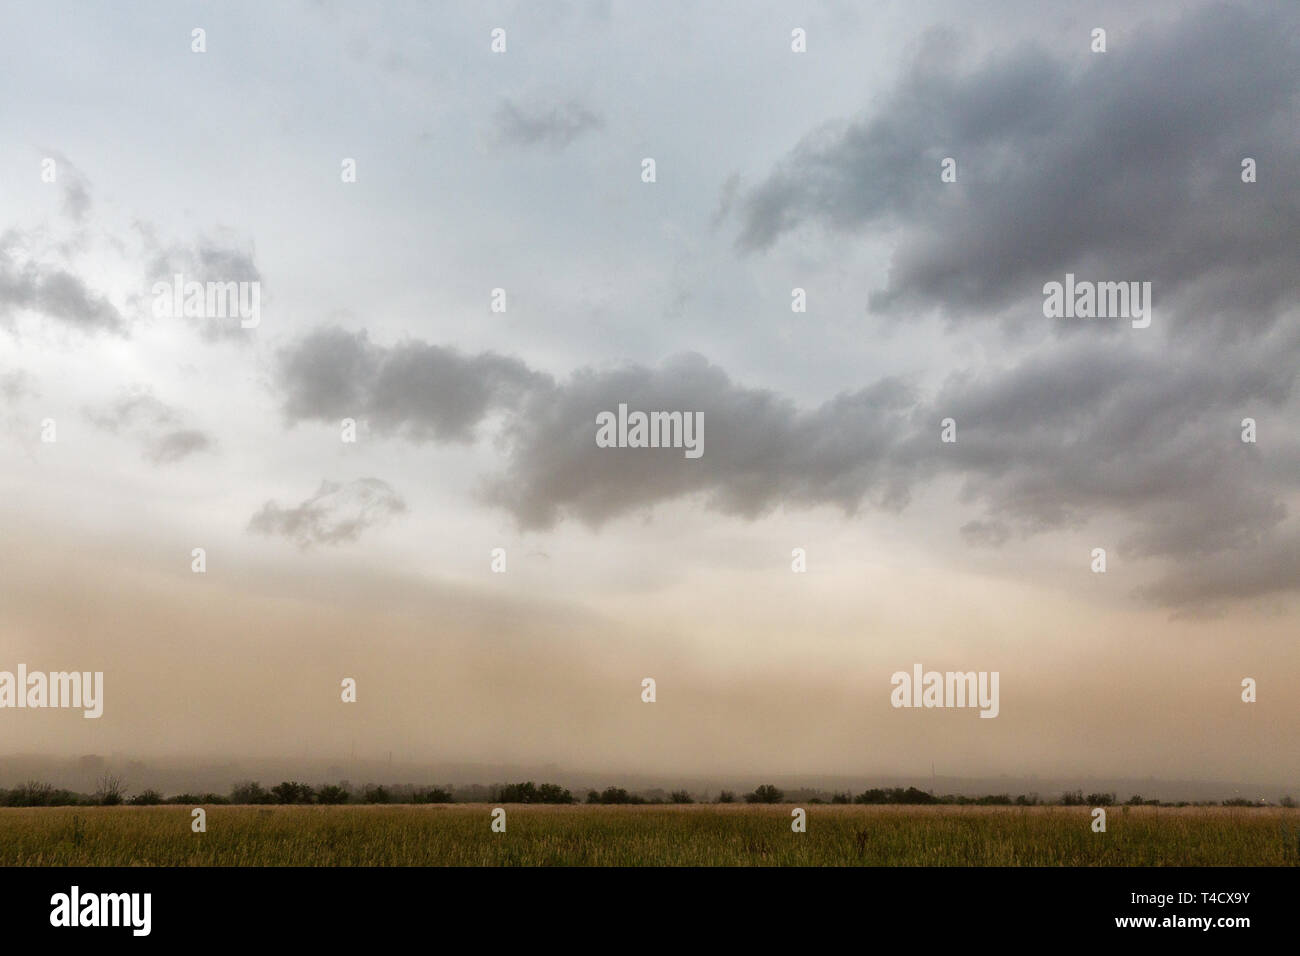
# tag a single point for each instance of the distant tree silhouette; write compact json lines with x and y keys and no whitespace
{"x":292,"y":792}
{"x":250,"y":791}
{"x":111,"y":791}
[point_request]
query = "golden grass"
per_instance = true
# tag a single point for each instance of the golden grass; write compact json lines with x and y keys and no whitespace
{"x":695,"y":835}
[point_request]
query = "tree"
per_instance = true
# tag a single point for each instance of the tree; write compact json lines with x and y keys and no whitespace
{"x":146,"y":798}
{"x":913,"y":795}
{"x":765,"y":793}
{"x":553,"y":793}
{"x":726,"y":796}
{"x":681,"y":796}
{"x":111,"y":791}
{"x":292,"y":792}
{"x":250,"y":791}
{"x":518,"y":793}
{"x":331,"y":794}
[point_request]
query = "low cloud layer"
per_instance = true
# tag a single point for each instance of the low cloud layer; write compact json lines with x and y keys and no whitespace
{"x":1066,"y":435}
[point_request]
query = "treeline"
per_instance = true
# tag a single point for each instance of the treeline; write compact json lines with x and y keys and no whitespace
{"x":1071,"y":798}
{"x":111,"y":791}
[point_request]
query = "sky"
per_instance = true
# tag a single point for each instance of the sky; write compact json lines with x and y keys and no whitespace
{"x":130,"y":437}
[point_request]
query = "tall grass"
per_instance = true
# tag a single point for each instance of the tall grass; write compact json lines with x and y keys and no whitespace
{"x":698,"y":835}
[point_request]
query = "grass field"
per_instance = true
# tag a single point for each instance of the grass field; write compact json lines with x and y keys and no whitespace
{"x":701,"y":835}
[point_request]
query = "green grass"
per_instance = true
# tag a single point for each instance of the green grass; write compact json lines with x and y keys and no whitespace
{"x":702,"y":835}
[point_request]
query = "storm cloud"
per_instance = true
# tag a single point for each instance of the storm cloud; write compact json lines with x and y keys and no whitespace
{"x":1125,"y":165}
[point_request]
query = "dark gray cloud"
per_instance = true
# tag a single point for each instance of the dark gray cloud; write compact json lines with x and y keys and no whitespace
{"x":419,"y":390}
{"x":1122,"y":166}
{"x":336,"y":514}
{"x":1208,"y":584}
{"x":1086,"y":431}
{"x":1082,"y":428}
{"x":550,"y":126}
{"x":1074,"y":431}
{"x":156,"y":426}
{"x":759,"y":450}
{"x":49,"y":290}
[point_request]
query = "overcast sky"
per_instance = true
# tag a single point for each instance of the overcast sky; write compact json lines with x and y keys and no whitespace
{"x":774,"y":170}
